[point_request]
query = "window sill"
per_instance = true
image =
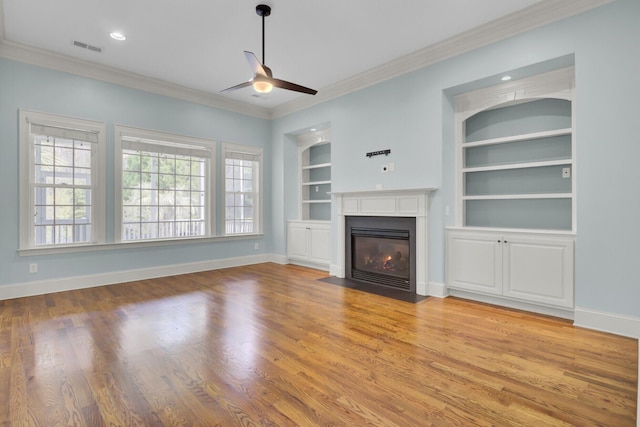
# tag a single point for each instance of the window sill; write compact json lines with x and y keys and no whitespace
{"x":132,"y":244}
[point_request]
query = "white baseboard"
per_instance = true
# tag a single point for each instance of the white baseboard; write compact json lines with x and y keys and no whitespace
{"x":335,"y":270}
{"x":618,"y":324}
{"x":323,"y":267}
{"x":41,"y":287}
{"x":438,"y":290}
{"x":564,"y":313}
{"x":279,"y":259}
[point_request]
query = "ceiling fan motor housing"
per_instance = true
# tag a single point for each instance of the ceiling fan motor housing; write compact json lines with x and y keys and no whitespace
{"x":263,"y":10}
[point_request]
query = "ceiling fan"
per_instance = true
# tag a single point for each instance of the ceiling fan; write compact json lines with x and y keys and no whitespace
{"x":263,"y":81}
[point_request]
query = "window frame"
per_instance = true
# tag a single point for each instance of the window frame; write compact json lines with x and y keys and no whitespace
{"x":27,"y":240}
{"x":258,"y":182}
{"x":120,"y":132}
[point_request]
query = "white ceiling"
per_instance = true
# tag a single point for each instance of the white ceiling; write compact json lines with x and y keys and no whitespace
{"x":199,"y":44}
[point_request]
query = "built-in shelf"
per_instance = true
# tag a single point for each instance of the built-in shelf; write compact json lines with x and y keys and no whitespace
{"x":521,"y":137}
{"x":516,"y":158}
{"x":518,"y":166}
{"x":316,"y":201}
{"x":315,"y":176}
{"x":316,"y":183}
{"x":520,"y":196}
{"x":319,"y":165}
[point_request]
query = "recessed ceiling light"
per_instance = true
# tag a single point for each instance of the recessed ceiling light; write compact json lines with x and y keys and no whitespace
{"x":118,"y":36}
{"x":505,"y":78}
{"x":313,"y":129}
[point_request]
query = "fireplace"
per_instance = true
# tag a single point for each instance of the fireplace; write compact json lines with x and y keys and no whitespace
{"x":381,"y":251}
{"x":410,"y":204}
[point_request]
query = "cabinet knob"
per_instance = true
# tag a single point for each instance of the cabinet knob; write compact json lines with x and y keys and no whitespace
{"x":499,"y":241}
{"x":505,"y":241}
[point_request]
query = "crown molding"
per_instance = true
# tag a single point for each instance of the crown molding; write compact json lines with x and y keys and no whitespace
{"x":43,"y":58}
{"x":535,"y":16}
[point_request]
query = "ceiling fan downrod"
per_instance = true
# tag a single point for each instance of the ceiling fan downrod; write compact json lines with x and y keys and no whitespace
{"x":263,"y":10}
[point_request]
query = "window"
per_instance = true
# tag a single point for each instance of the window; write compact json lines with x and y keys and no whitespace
{"x":243,"y":193}
{"x":62,"y":163}
{"x":164,"y":186}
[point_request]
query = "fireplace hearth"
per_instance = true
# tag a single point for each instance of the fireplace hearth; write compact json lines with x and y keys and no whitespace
{"x":381,"y":251}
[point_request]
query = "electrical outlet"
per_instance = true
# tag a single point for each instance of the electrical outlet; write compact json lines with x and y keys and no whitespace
{"x":392,"y":167}
{"x":566,"y":172}
{"x":256,"y":246}
{"x":33,"y":268}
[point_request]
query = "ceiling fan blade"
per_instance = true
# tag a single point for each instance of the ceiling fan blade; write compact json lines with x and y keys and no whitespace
{"x":292,"y":86}
{"x":240,"y":86}
{"x":256,"y":66}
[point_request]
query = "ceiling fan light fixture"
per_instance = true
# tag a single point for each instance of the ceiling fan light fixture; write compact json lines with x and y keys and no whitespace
{"x":118,"y":36}
{"x":262,"y":86}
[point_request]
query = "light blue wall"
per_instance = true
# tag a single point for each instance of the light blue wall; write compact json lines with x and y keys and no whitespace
{"x":413,"y":116}
{"x":38,"y":89}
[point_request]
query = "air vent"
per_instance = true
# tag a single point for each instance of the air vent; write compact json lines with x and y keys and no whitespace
{"x":87,"y":46}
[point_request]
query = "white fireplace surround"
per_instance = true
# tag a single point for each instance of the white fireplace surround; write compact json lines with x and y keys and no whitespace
{"x":412,"y":203}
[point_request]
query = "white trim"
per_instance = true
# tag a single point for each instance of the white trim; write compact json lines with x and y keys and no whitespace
{"x":67,"y":64}
{"x":315,"y":266}
{"x":278,"y":259}
{"x":540,"y":14}
{"x":510,"y":303}
{"x":535,"y":16}
{"x":619,"y":324}
{"x":48,"y":286}
{"x":557,"y":84}
{"x":69,"y":249}
{"x":438,"y":290}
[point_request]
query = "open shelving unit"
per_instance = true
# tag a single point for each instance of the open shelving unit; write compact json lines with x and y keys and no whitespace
{"x":315,"y":176}
{"x":516,"y":165}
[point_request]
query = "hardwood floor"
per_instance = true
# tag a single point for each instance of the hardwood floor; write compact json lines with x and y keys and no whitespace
{"x":270,"y":345}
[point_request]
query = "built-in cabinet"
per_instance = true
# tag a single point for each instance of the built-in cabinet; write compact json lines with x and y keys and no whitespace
{"x":309,"y":237}
{"x":309,"y":243}
{"x":515,"y":192}
{"x":522,"y":266}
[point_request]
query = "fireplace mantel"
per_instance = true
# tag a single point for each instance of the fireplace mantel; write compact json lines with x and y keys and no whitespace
{"x":411,"y":202}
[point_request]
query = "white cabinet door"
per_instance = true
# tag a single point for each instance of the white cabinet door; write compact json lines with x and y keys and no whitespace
{"x":309,"y":242}
{"x":320,"y":244}
{"x":528,"y":267}
{"x":297,"y":241}
{"x":474,"y":262}
{"x":539,"y":269}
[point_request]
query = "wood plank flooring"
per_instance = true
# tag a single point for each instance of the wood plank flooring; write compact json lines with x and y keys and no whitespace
{"x":270,"y":345}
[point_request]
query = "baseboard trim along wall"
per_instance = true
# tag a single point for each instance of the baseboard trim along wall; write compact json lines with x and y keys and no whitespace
{"x":41,"y":287}
{"x":587,"y":318}
{"x":438,"y":290}
{"x":618,"y":324}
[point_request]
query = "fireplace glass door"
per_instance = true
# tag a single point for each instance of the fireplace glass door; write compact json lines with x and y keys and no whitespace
{"x":381,"y":250}
{"x":382,"y":255}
